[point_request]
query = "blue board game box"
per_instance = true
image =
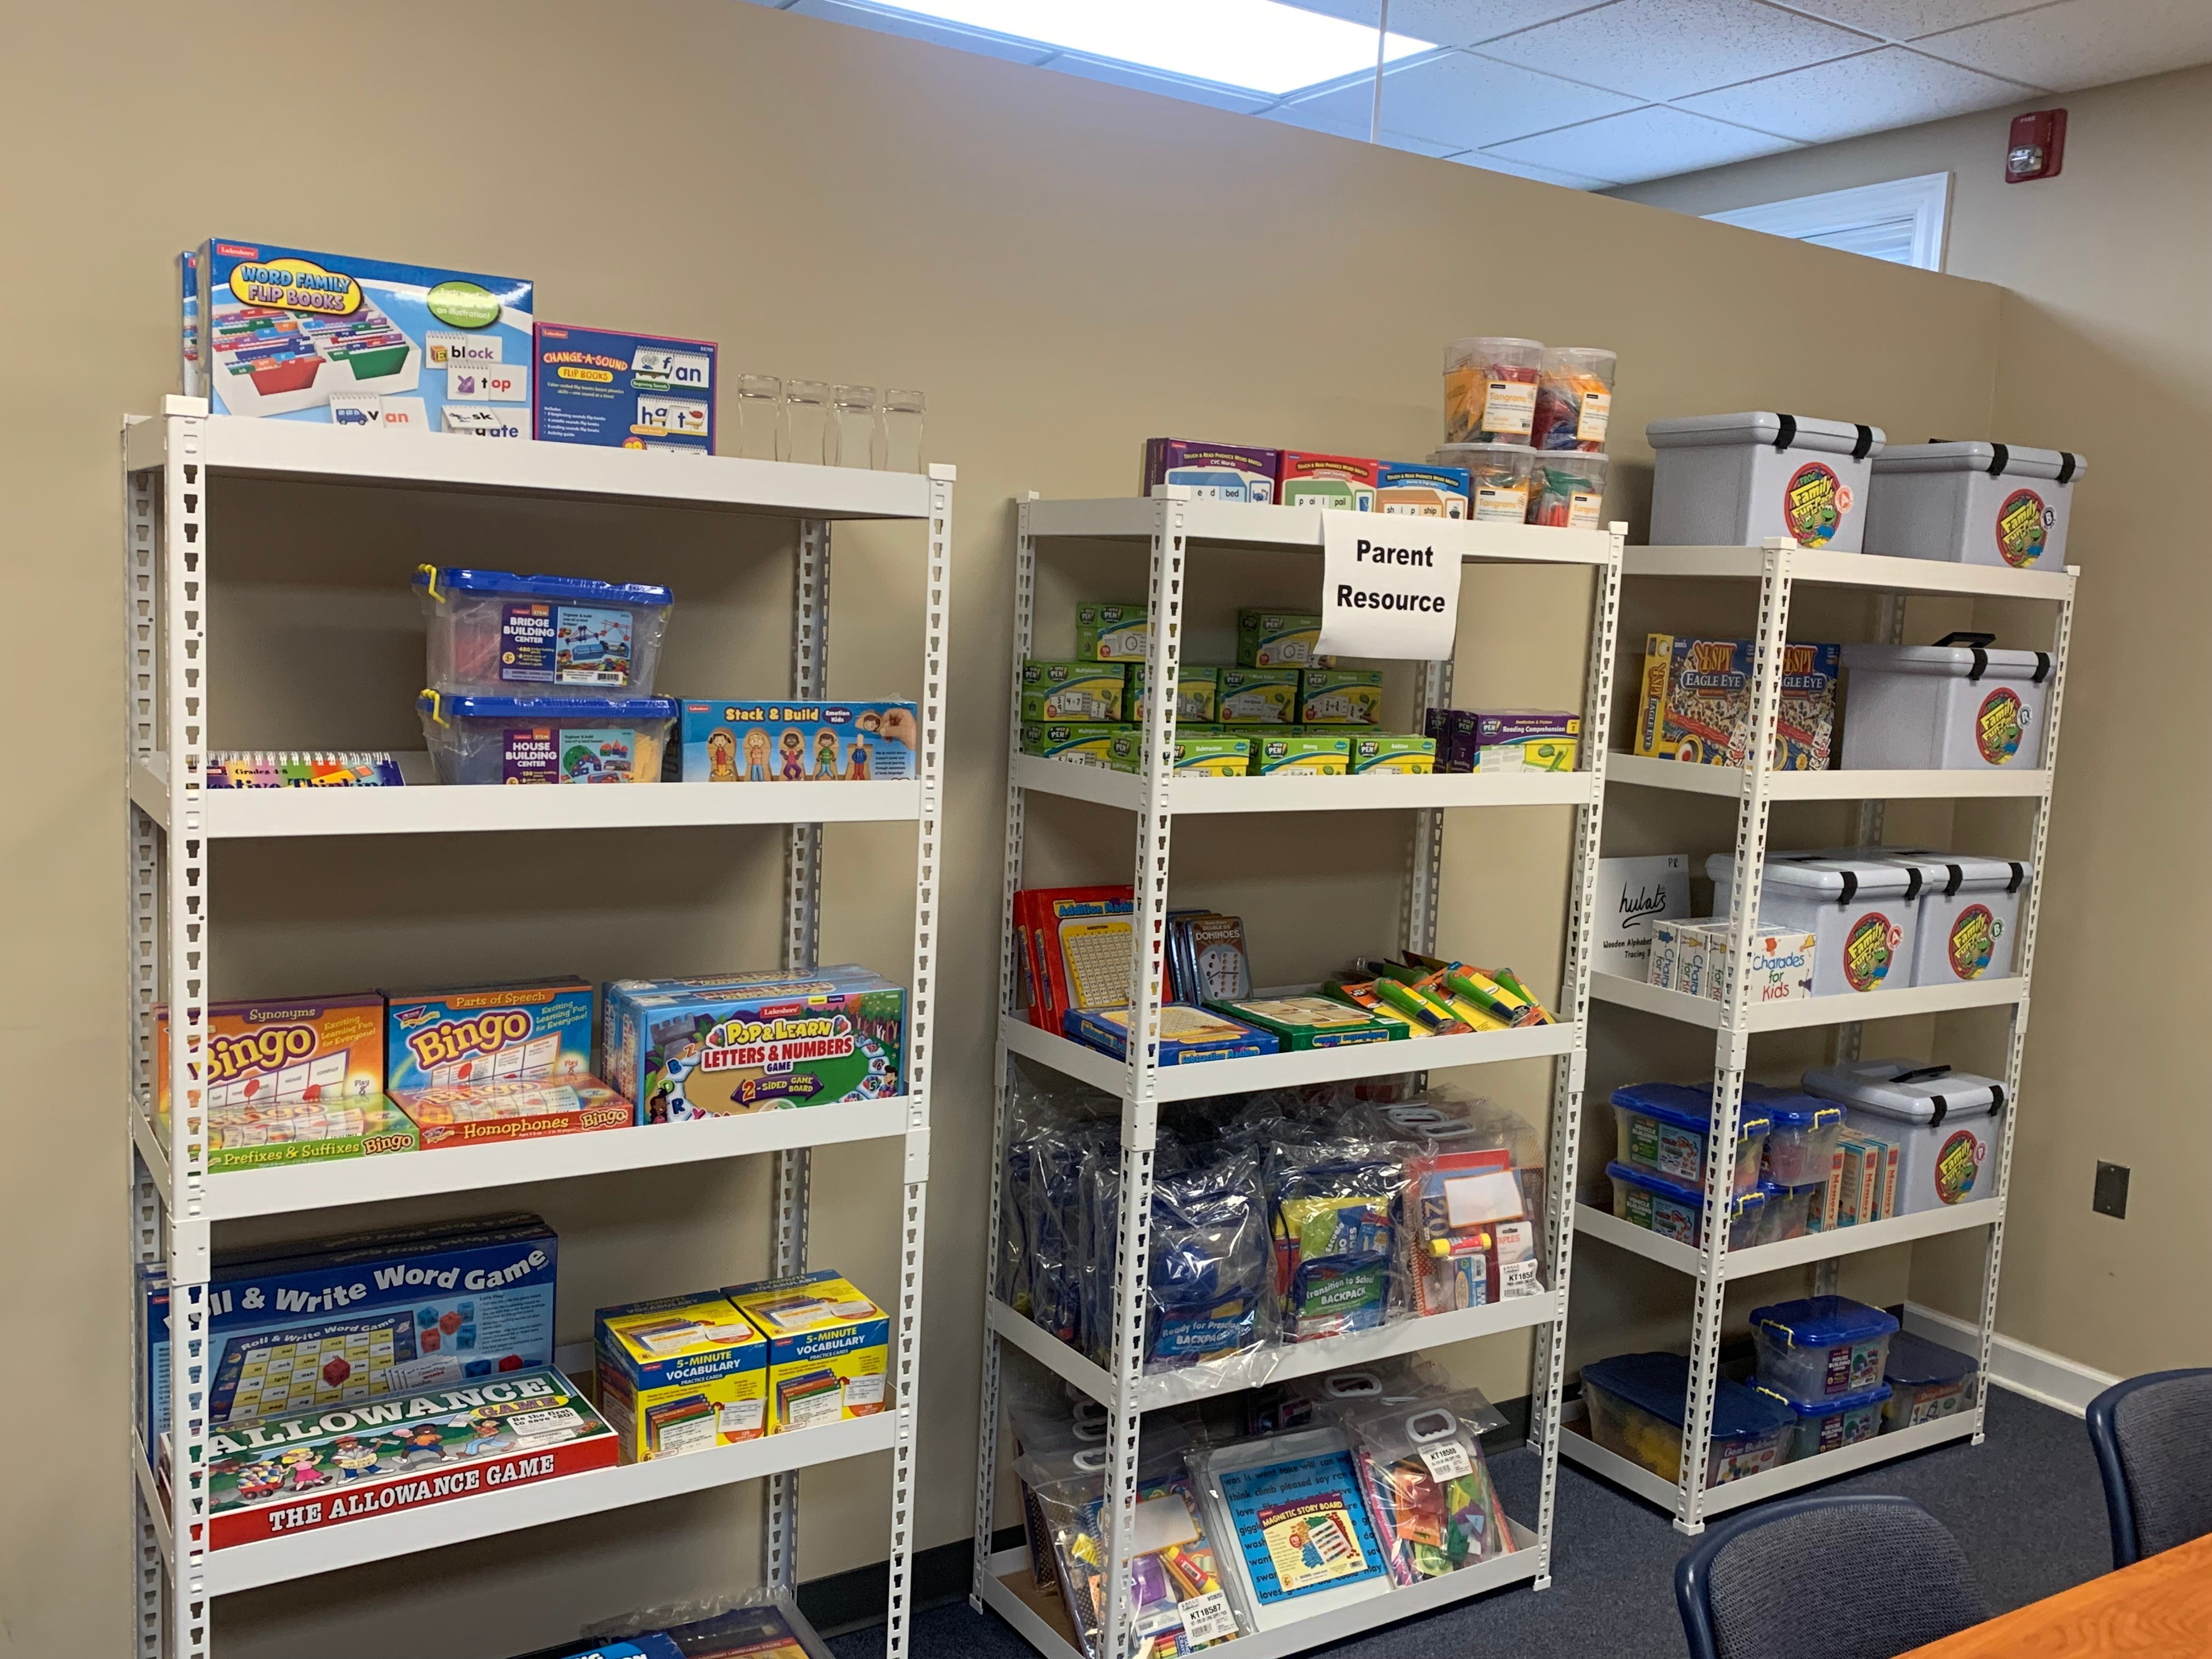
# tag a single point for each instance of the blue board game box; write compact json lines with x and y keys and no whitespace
{"x":595,"y":385}
{"x":362,"y":1317}
{"x":735,"y":742}
{"x":291,"y":334}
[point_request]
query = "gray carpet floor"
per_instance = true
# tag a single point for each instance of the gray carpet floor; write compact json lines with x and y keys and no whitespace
{"x":2024,"y":1505}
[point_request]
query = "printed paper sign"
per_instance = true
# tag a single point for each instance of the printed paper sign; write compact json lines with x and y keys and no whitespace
{"x":1387,"y":588}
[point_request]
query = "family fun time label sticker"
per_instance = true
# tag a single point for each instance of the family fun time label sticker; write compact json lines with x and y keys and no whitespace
{"x":1387,"y":589}
{"x":1813,"y":503}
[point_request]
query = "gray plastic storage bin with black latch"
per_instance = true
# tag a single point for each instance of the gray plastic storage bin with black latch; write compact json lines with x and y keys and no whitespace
{"x":1974,"y":503}
{"x":1739,"y":480}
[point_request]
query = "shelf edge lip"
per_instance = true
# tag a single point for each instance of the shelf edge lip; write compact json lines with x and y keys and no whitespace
{"x":1263,"y":523}
{"x":1647,"y":772}
{"x":1847,"y":1460}
{"x":1191,"y":794}
{"x":1801,"y":1013}
{"x":1593,"y":1222}
{"x":1829,"y":569}
{"x":519,"y":1508}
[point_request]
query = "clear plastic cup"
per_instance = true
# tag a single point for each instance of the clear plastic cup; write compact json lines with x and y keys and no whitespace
{"x":803,"y":435}
{"x":1489,"y":389}
{"x":902,"y":430}
{"x":853,"y":428}
{"x":759,"y":411}
{"x":1498,"y":476}
{"x":1566,"y":488}
{"x":1574,"y":398}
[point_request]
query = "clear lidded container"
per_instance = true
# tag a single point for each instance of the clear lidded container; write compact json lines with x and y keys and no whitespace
{"x":492,"y":633}
{"x":1489,"y":389}
{"x":1498,"y":475}
{"x":1574,"y":398}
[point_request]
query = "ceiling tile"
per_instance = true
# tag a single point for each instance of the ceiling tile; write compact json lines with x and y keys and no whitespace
{"x":1876,"y":90}
{"x":1168,"y":85}
{"x":1908,"y":20}
{"x":1297,"y":115}
{"x":1453,"y":22}
{"x":942,"y":34}
{"x":1644,"y":144}
{"x":2085,"y":43}
{"x":1491,"y":162}
{"x":1658,"y":49}
{"x":1465,"y":103}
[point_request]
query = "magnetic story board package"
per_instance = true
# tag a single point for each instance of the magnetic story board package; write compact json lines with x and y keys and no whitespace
{"x":325,"y":1465}
{"x":1292,"y":1525}
{"x":369,"y":344}
{"x":680,"y":1374}
{"x":524,"y":1031}
{"x":362,"y":1317}
{"x":732,"y":740}
{"x":828,"y":1347}
{"x":836,"y":1035}
{"x":618,"y":391}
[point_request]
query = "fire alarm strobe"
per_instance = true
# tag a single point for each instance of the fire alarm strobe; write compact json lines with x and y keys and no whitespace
{"x":2037,"y":147}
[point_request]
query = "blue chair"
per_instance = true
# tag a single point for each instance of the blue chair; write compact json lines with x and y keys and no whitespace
{"x":2152,"y":1435}
{"x":1844,"y":1577}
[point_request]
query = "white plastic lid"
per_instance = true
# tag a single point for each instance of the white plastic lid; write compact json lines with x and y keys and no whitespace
{"x":1959,"y":661}
{"x":1474,"y":349}
{"x":1952,"y":872}
{"x":1841,"y":880}
{"x":1911,"y":1090}
{"x":1769,"y":431}
{"x":1998,"y":461}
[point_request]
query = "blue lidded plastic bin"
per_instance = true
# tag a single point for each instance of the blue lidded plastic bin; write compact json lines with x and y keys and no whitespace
{"x":1676,"y":1211}
{"x":1926,"y":1381}
{"x":1638,"y":1402}
{"x":1801,"y":1144}
{"x":1789,"y":1212}
{"x":1824,"y":1425}
{"x":1821,"y":1347}
{"x":1663,"y":1128}
{"x":546,"y":739}
{"x":494,"y":634}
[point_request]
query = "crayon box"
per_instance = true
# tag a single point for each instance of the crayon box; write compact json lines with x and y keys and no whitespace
{"x":828,"y":1346}
{"x":524,"y":1032}
{"x":740,"y":742}
{"x":680,"y":1374}
{"x":286,"y":333}
{"x":595,"y":385}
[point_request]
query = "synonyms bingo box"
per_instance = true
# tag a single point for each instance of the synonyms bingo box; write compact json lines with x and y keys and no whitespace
{"x":681,"y":1374}
{"x":827,"y":1347}
{"x":363,"y":1317}
{"x":595,"y":385}
{"x":708,"y":1052}
{"x":289,"y":333}
{"x":306,"y":1050}
{"x":524,"y":1032}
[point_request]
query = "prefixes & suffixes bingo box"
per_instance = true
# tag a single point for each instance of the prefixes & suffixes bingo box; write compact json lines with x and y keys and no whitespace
{"x":750,"y":741}
{"x":827,"y":1345}
{"x":292,"y":1327}
{"x":680,"y":1374}
{"x":595,"y":385}
{"x":303,"y":1049}
{"x":708,"y":1051}
{"x":522,"y":1032}
{"x":364,"y":343}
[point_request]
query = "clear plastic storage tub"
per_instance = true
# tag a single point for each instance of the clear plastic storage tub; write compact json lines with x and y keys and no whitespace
{"x":1498,"y":475}
{"x":1489,"y":389}
{"x":546,"y":739}
{"x":1926,"y":1381}
{"x":1566,"y":489}
{"x":1825,"y":1425}
{"x":1788,"y":1212}
{"x":1574,"y":398}
{"x":494,"y":634}
{"x":1677,"y":1211}
{"x":1821,"y":1347}
{"x":1638,"y":1402}
{"x":1662,"y":1128}
{"x":1801,"y":1139}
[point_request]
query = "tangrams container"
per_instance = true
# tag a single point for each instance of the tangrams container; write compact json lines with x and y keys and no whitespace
{"x":1637,"y":1403}
{"x":546,"y":739}
{"x":1946,"y":1125}
{"x":496,"y":633}
{"x":1662,"y":1128}
{"x":1969,"y":922}
{"x":1736,"y":480}
{"x":1863,"y":913}
{"x":1926,"y":1381}
{"x":1498,"y":476}
{"x":1825,"y":1425}
{"x":1822,"y":1347}
{"x":1676,"y":1209}
{"x":1956,"y":704}
{"x":1974,"y":503}
{"x":1489,"y":389}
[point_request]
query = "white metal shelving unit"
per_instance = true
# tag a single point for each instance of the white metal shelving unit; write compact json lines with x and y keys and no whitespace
{"x":1778,"y":568}
{"x":169,"y":463}
{"x":1173,"y":526}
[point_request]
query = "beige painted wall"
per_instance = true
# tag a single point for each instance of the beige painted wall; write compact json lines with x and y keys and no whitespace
{"x":1052,"y":260}
{"x":2106,"y":351}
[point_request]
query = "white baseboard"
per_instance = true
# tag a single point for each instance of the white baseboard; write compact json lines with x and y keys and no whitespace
{"x":2050,"y":1379}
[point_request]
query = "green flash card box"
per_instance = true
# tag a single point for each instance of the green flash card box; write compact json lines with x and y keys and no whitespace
{"x":1340,"y":697}
{"x":828,"y":1347}
{"x":1073,"y":690}
{"x":1087,"y":743}
{"x":1280,"y":639}
{"x":1308,"y":752}
{"x":1112,"y":633}
{"x":680,"y":1374}
{"x":1198,"y":689}
{"x":714,"y":1049}
{"x":1312,"y":1022}
{"x":1257,"y":697}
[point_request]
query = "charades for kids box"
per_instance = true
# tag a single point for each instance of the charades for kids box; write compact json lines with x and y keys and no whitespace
{"x":292,"y":1327}
{"x":595,"y":385}
{"x":366,"y":343}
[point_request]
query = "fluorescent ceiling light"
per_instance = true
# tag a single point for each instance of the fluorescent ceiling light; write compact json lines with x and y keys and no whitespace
{"x":1262,"y":45}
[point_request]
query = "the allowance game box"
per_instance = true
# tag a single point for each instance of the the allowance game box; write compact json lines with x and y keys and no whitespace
{"x":366,"y":344}
{"x":302,"y":1471}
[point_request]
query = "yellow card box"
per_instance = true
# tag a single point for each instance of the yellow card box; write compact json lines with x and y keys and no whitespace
{"x":828,"y":1346}
{"x":681,"y":1374}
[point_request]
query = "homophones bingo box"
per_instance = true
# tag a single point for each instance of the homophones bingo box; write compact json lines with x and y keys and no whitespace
{"x":598,"y":386}
{"x":293,"y":334}
{"x":680,"y":1374}
{"x":355,"y":1318}
{"x":827,"y":1347}
{"x":733,"y":741}
{"x":698,"y":1052}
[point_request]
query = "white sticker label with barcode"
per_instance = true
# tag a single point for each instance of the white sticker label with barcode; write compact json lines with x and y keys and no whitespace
{"x":1447,"y":1461}
{"x":1207,"y":1618}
